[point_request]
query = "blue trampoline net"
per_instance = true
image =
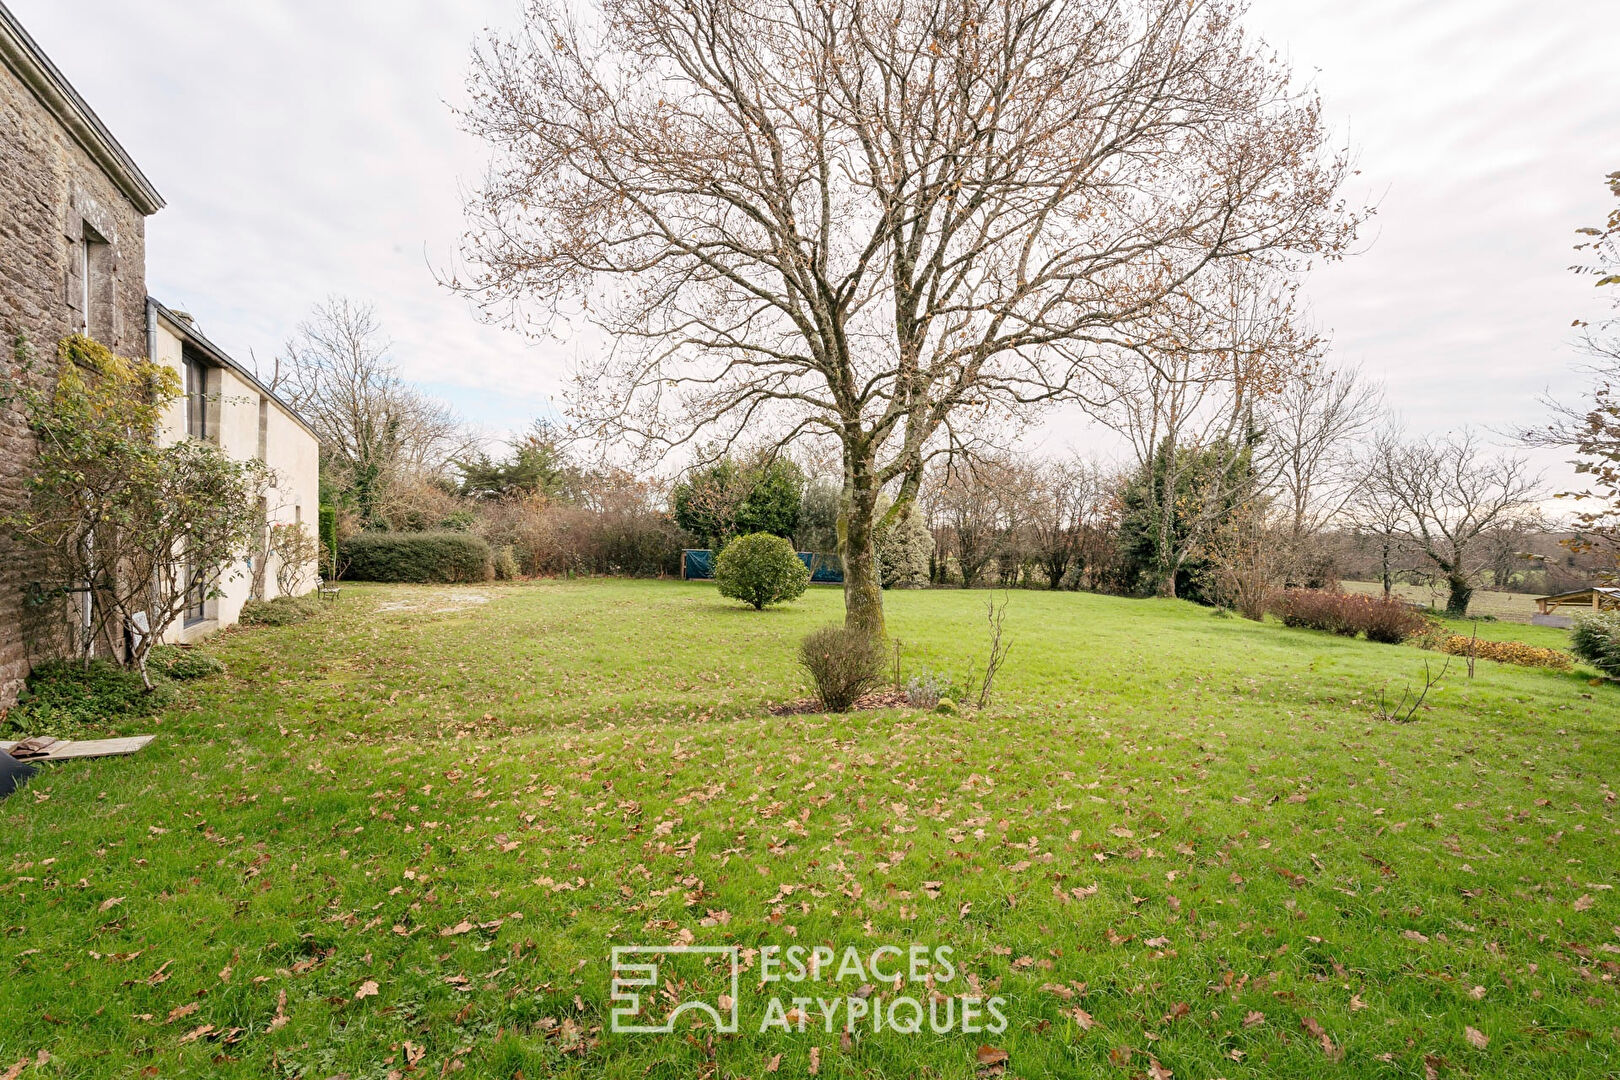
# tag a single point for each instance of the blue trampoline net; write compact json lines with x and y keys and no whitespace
{"x":697,"y":564}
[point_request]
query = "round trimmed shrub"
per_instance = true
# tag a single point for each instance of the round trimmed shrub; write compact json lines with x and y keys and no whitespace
{"x":761,"y":569}
{"x":450,"y":558}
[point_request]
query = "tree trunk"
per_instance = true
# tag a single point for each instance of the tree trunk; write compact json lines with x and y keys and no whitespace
{"x":1388,"y":578}
{"x":1460,"y":593}
{"x":857,"y":545}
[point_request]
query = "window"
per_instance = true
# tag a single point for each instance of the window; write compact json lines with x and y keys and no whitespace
{"x":264,"y":427}
{"x":95,"y":286}
{"x":196,"y":397}
{"x":196,"y":594}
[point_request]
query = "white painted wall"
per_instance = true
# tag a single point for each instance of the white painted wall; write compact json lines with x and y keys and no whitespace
{"x":291,"y":452}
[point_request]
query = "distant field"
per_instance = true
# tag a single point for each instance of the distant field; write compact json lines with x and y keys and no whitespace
{"x":1514,"y":607}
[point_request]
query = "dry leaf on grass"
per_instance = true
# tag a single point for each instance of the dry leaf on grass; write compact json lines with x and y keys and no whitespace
{"x":1476,"y":1038}
{"x":367,"y":989}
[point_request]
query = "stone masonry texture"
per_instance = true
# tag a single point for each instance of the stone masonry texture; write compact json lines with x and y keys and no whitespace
{"x":50,"y":190}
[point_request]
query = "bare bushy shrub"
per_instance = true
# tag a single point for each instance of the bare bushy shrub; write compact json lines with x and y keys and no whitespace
{"x":1383,"y":619}
{"x":1316,"y":609}
{"x":1388,"y":620}
{"x":842,"y":663}
{"x":620,"y":526}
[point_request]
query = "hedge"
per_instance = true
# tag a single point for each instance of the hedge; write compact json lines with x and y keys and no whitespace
{"x":429,"y":557}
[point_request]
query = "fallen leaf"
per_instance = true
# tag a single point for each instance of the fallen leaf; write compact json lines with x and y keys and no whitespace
{"x":1476,"y":1038}
{"x":180,"y":1011}
{"x":367,"y":989}
{"x":1585,"y":902}
{"x":461,"y":927}
{"x":110,"y":903}
{"x":1254,"y":1019}
{"x":773,"y":1064}
{"x":196,"y":1033}
{"x":815,"y":1060}
{"x":990,"y":1055}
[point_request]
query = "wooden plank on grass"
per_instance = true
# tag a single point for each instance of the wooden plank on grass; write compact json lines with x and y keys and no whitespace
{"x":90,"y":748}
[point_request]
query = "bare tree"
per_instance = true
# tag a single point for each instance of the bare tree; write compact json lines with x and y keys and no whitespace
{"x":375,"y":430}
{"x":1443,"y":496}
{"x":1313,"y":427}
{"x":970,"y":504}
{"x":1375,"y":515}
{"x":1191,"y":414}
{"x":1064,"y":498}
{"x":1591,"y":428}
{"x":883,"y":222}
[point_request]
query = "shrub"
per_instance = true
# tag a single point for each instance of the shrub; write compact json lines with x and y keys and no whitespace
{"x":924,"y":691}
{"x":1507,"y":652}
{"x":65,"y":698}
{"x":760,"y":569}
{"x":423,"y":557}
{"x":842,"y":664}
{"x":1317,"y":609}
{"x":1596,"y":639}
{"x":506,"y":564}
{"x":282,"y":611}
{"x":1389,"y":621}
{"x":183,"y":665}
{"x":905,"y":550}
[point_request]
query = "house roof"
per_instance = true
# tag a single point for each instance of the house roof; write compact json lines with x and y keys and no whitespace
{"x":194,"y":337}
{"x":20,"y":53}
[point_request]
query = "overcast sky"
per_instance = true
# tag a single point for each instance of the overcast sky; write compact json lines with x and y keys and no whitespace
{"x":306,"y":147}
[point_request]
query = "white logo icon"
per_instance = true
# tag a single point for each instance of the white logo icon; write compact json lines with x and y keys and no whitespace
{"x":631,"y":979}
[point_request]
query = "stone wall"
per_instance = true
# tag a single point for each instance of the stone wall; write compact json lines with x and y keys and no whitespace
{"x":54,"y":200}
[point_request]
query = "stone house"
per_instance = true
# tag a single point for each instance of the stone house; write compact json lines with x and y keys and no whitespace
{"x":73,"y":210}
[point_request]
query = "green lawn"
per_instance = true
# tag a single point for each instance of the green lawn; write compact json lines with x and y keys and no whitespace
{"x":402,"y":841}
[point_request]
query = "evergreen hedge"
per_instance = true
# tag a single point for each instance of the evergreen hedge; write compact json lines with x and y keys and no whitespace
{"x":425,"y":557}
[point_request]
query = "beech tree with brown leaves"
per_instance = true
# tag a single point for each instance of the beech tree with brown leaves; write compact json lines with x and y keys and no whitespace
{"x":886,"y":223}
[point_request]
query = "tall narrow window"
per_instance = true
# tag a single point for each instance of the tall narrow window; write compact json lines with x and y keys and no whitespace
{"x":196,"y":397}
{"x":264,"y":427}
{"x":95,"y":286}
{"x":196,"y":594}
